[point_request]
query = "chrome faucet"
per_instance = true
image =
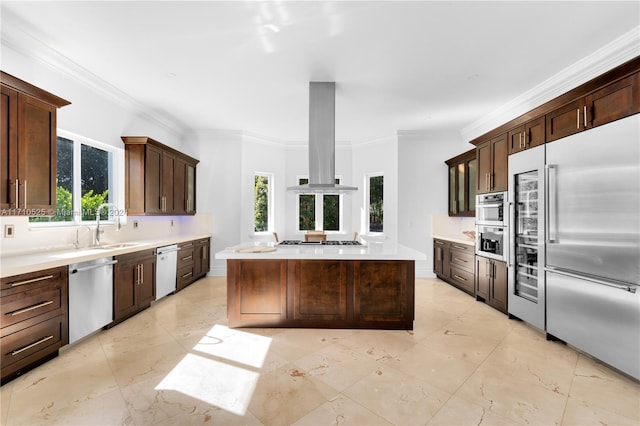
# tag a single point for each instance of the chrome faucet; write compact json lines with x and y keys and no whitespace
{"x":98,"y":230}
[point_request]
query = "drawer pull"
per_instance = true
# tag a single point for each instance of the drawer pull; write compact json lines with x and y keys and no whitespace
{"x":44,"y":339}
{"x":187,"y":245}
{"x":31,"y":308}
{"x":33,"y":280}
{"x":457,"y":259}
{"x":187,"y":274}
{"x":459,"y":277}
{"x":460,"y":247}
{"x":187,"y":258}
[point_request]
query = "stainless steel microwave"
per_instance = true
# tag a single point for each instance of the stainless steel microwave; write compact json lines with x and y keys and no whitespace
{"x":491,"y":209}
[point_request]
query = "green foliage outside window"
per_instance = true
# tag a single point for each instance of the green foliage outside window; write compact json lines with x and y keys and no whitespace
{"x":261,"y":206}
{"x":376,"y":204}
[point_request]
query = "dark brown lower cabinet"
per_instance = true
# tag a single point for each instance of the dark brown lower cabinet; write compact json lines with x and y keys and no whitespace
{"x":321,"y":293}
{"x":491,"y":282}
{"x":134,"y":286}
{"x":34,"y":321}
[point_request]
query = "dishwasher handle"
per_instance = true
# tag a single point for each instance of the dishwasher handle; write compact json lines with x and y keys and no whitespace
{"x":164,"y":251}
{"x":91,"y":267}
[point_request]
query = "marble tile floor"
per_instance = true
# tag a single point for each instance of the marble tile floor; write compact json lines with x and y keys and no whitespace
{"x":177,"y":363}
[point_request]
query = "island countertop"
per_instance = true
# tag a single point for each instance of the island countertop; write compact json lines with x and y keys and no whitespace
{"x":384,"y":250}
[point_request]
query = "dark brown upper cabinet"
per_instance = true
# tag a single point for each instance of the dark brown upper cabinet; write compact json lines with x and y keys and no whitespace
{"x":158,"y":179}
{"x":492,"y":165}
{"x":609,"y":103}
{"x":28,"y":148}
{"x":527,"y":135}
{"x":462,"y":184}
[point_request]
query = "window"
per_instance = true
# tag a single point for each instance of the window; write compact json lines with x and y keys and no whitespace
{"x":263,"y":202}
{"x":319,"y":212}
{"x":85,"y":179}
{"x":375,"y":203}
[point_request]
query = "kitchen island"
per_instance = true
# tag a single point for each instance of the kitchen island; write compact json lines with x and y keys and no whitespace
{"x":321,"y":286}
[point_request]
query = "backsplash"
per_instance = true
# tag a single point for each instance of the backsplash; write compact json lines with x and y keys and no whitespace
{"x":33,"y":238}
{"x":445,"y":226}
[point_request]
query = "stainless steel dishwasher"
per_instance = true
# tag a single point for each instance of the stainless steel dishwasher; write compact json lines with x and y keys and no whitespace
{"x":90,"y":296}
{"x":166,"y":268}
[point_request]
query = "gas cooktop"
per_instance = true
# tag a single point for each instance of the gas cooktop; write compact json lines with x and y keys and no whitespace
{"x":319,"y":243}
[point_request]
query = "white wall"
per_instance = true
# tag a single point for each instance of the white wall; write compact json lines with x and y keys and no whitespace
{"x":422,"y":188}
{"x":218,"y":188}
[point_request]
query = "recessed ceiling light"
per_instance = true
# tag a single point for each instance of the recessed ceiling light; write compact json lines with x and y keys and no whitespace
{"x":473,"y":76}
{"x":171,"y":75}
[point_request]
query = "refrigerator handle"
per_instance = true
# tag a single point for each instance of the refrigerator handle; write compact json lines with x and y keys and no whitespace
{"x":512,"y":235}
{"x":551,"y":171}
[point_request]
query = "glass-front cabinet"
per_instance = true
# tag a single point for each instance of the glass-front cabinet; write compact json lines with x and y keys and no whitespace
{"x":462,"y":184}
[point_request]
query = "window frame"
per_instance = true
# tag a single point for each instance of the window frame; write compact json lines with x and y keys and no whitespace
{"x":116,"y":181}
{"x":319,"y":208}
{"x":367,"y":203}
{"x":270,"y":203}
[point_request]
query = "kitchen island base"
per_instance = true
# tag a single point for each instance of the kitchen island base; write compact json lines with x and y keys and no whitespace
{"x":373,"y":294}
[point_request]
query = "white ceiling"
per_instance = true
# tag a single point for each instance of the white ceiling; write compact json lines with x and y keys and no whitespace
{"x":417,"y":65}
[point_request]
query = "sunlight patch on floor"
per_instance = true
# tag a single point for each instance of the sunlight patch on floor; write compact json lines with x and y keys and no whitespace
{"x":203,"y":374}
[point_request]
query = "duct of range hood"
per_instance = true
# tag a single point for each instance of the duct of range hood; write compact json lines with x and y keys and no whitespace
{"x":322,"y":141}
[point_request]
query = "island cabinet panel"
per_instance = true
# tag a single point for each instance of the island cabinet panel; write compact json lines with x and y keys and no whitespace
{"x":320,"y":289}
{"x":320,"y":293}
{"x":256,"y":292}
{"x":381,"y":292}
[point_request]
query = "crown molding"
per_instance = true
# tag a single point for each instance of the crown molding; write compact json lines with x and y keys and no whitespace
{"x":619,"y":51}
{"x":21,"y":41}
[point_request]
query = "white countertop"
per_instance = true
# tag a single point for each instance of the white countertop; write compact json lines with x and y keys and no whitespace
{"x":462,"y":239}
{"x":22,"y":263}
{"x":369,"y":251}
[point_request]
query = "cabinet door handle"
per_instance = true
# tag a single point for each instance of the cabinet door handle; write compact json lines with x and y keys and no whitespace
{"x":524,"y":144}
{"x":44,"y":339}
{"x":585,"y":116}
{"x":204,"y":253}
{"x":25,"y":194}
{"x":188,"y":257}
{"x":578,"y":119}
{"x":457,"y":259}
{"x":30,"y":308}
{"x":459,"y":277}
{"x":32,"y":280}
{"x":187,"y":274}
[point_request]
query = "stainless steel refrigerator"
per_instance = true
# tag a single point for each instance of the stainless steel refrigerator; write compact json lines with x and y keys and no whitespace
{"x":592,"y":242}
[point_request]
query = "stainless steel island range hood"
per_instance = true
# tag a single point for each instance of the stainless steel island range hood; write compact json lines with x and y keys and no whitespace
{"x":322,"y":143}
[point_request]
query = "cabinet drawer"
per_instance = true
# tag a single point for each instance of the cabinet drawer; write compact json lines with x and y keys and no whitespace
{"x":35,"y":341}
{"x":184,"y":277}
{"x":185,"y":257}
{"x":461,"y":260}
{"x":465,"y":248}
{"x":23,"y":282}
{"x":31,"y":303}
{"x":462,"y":279}
{"x":441,"y":243}
{"x":136,"y":256}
